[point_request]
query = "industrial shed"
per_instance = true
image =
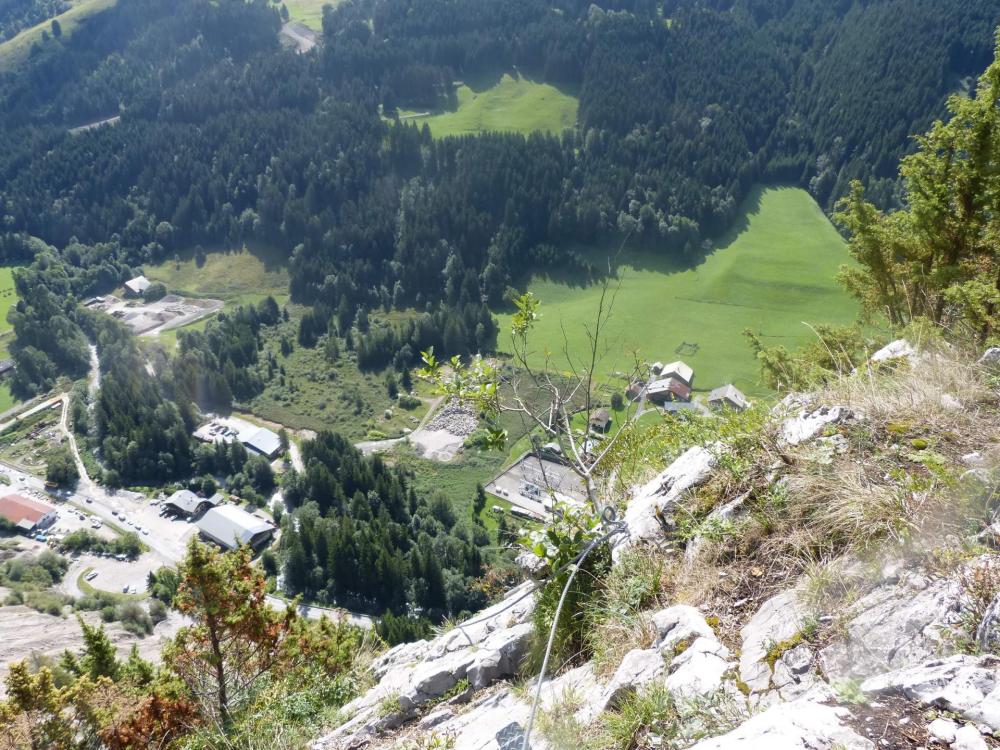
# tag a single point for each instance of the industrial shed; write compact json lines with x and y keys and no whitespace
{"x":185,"y":501}
{"x":261,"y":440}
{"x":137,"y":286}
{"x":229,"y":526}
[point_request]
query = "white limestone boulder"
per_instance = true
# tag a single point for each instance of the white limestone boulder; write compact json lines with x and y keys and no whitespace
{"x":779,"y":619}
{"x":698,"y":671}
{"x":656,"y":499}
{"x":896,"y":625}
{"x":800,"y":725}
{"x":966,"y":685}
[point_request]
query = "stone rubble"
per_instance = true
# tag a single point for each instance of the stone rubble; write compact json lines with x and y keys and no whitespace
{"x":454,"y":418}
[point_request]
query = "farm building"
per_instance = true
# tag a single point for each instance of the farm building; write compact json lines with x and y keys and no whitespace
{"x":600,"y":420}
{"x":6,"y":367}
{"x":656,"y":368}
{"x":668,"y":389}
{"x":728,"y":397}
{"x":27,"y":515}
{"x":261,"y":440}
{"x":678,"y":370}
{"x":135,"y":287}
{"x":185,"y":501}
{"x":229,"y":526}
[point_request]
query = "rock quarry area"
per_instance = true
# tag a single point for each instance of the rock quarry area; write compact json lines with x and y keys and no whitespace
{"x":839,"y":589}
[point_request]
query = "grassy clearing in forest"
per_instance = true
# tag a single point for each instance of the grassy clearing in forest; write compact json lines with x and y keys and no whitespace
{"x":14,"y":51}
{"x":237,"y":278}
{"x":773,"y":271}
{"x":510,"y":104}
{"x":308,"y":12}
{"x":311,"y":390}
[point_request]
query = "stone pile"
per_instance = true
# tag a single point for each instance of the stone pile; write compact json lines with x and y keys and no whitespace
{"x":455,"y":419}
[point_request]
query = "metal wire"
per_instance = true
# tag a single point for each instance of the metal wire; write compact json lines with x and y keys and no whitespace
{"x":619,"y":527}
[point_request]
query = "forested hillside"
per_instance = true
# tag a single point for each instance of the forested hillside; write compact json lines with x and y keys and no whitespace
{"x":226,"y":137}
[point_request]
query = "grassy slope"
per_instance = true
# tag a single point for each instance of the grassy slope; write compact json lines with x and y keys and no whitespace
{"x":773,"y":272}
{"x":510,"y":104}
{"x":13,"y":51}
{"x":8,"y":298}
{"x":236,"y":278}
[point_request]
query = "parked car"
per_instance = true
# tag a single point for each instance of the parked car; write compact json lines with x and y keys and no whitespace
{"x":90,"y":576}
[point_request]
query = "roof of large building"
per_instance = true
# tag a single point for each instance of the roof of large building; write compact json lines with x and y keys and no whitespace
{"x":138,"y":285}
{"x":679,"y":369}
{"x":188,"y":502}
{"x":23,"y":511}
{"x":229,"y":525}
{"x":261,"y":440}
{"x":728,"y":392}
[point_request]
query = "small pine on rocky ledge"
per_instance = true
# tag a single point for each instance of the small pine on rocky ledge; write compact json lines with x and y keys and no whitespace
{"x":821,"y":574}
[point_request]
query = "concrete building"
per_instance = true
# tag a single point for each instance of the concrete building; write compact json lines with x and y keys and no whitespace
{"x":728,"y":397}
{"x":135,"y":287}
{"x":668,"y":389}
{"x":229,"y":526}
{"x":678,"y":370}
{"x":185,"y":501}
{"x":261,"y":440}
{"x":27,"y":515}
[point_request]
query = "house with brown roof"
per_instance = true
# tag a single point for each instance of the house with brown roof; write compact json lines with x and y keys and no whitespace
{"x":668,"y":389}
{"x":600,"y":420}
{"x":27,"y":515}
{"x":634,"y":390}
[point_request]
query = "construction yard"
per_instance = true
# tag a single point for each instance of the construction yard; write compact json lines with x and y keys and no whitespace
{"x":532,"y":483}
{"x":151,"y":318}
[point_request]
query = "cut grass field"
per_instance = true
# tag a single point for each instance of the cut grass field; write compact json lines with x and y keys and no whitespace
{"x":14,"y":51}
{"x":308,"y":12}
{"x":510,"y":104}
{"x":774,"y":272}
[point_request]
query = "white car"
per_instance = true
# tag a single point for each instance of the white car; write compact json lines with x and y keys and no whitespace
{"x":90,"y":576}
{"x":144,"y":530}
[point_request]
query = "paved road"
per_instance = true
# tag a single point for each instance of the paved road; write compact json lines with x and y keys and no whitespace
{"x":314,"y":612}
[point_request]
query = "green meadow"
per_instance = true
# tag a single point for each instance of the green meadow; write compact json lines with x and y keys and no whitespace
{"x":774,"y":273}
{"x":8,"y":298}
{"x":510,"y":104}
{"x":13,"y":51}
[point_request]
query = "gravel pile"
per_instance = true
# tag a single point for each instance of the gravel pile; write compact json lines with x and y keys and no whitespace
{"x":456,"y":419}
